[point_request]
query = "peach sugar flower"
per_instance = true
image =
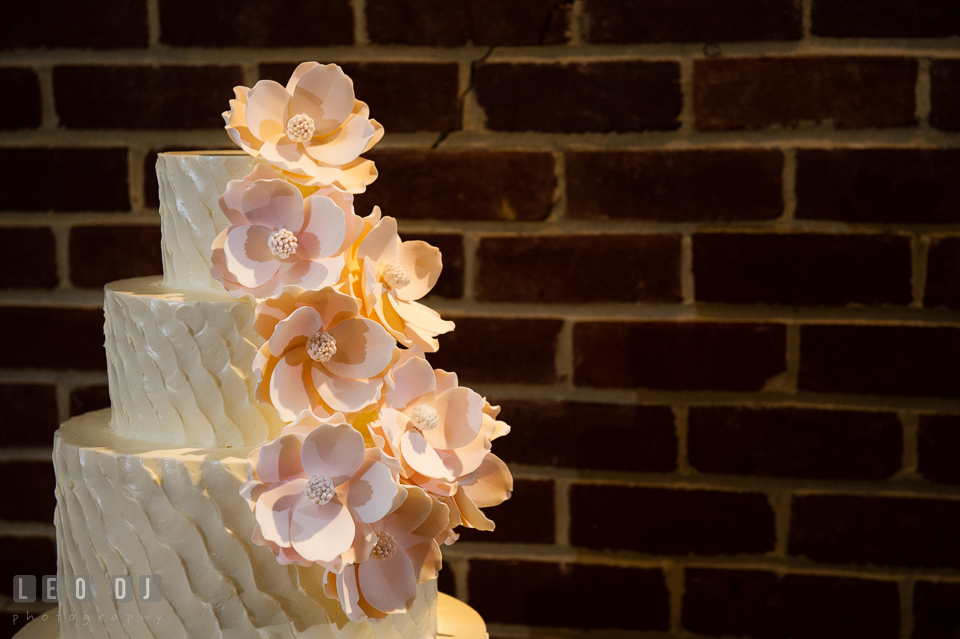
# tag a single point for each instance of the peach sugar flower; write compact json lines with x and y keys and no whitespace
{"x":313,"y":129}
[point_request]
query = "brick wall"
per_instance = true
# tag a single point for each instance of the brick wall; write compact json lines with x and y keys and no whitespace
{"x":705,"y":254}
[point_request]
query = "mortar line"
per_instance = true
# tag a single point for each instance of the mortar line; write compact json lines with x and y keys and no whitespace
{"x":153,"y":25}
{"x":687,"y":116}
{"x":674,"y":577}
{"x":561,"y":507}
{"x":61,"y":238}
{"x":471,"y":242}
{"x":563,"y":358}
{"x":910,"y":423}
{"x":789,"y":183}
{"x":49,"y":120}
{"x":575,"y":27}
{"x":461,"y":574}
{"x":681,"y":421}
{"x":919,"y":258}
{"x":63,"y":392}
{"x":361,"y":37}
{"x":781,"y":502}
{"x":806,"y":19}
{"x":906,"y":587}
{"x":558,"y":208}
{"x":687,"y":282}
{"x":136,"y":156}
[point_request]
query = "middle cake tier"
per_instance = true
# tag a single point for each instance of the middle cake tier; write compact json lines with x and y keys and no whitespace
{"x":180,"y":366}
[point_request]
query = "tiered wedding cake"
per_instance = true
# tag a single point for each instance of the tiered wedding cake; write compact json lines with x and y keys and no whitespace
{"x":278,"y":452}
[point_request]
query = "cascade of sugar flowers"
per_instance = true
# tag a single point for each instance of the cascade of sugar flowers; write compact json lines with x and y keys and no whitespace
{"x":382,"y":456}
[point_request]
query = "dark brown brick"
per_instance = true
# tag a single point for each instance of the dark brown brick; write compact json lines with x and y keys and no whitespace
{"x":28,"y":258}
{"x":35,"y":556}
{"x":880,"y":360}
{"x":807,"y":269}
{"x":911,"y":186}
{"x":256,"y":24}
{"x":461,"y":185}
{"x":757,"y":93}
{"x":24,"y":110}
{"x":144,"y":97}
{"x":547,"y":594}
{"x":84,"y":399}
{"x":945,"y":94}
{"x":616,"y":22}
{"x":34,"y":499}
{"x":675,"y":185}
{"x":756,"y":603}
{"x":450,"y":283}
{"x":936,"y":614}
{"x":101,"y":254}
{"x":943,"y":273}
{"x":64,"y":180}
{"x":96,"y":24}
{"x":436,"y":23}
{"x":563,"y":268}
{"x":526,"y":518}
{"x":447,"y":580}
{"x":938,"y":440}
{"x":578,"y":435}
{"x":678,"y":355}
{"x":28,"y":414}
{"x":500,"y":351}
{"x":403,"y":96}
{"x":53,"y":338}
{"x":885,"y":531}
{"x":885,"y":18}
{"x":667,"y":521}
{"x":579,"y":97}
{"x":794,"y":442}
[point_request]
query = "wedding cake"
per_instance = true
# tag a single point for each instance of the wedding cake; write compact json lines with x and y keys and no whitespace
{"x":280,"y":459}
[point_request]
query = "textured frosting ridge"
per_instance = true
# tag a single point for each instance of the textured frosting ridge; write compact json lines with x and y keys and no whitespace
{"x":125,"y":508}
{"x":180,"y":367}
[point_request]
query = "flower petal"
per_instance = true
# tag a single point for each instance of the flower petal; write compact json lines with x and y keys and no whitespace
{"x":344,"y":145}
{"x":331,"y":451}
{"x":426,"y":560}
{"x":267,"y":109}
{"x":247,"y":257}
{"x":372,"y":492}
{"x":461,"y":415}
{"x":411,"y":514}
{"x":466,"y":459}
{"x":422,"y":457}
{"x":324,"y":93}
{"x":357,"y":175}
{"x":294,"y":331}
{"x":494,"y":483}
{"x":364,"y":349}
{"x":389,"y":585}
{"x":381,"y":243}
{"x":321,"y":533}
{"x":327,"y":221}
{"x":275,"y":508}
{"x":278,"y":460}
{"x":423,"y":263}
{"x":275,"y":204}
{"x":412,"y":380}
{"x":312,"y":274}
{"x":291,"y":387}
{"x":348,"y":591}
{"x":346,"y":395}
{"x":283,"y":152}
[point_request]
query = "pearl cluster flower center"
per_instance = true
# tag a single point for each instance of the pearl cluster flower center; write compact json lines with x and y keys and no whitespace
{"x":321,"y":347}
{"x":300,"y":127}
{"x":395,"y":275}
{"x":425,"y":417}
{"x":282,"y":243}
{"x":386,"y":546}
{"x":319,"y":490}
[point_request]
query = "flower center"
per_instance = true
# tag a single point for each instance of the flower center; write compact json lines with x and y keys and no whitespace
{"x":319,"y":490}
{"x":385,"y":547}
{"x":395,"y":275}
{"x":283,"y":243}
{"x":300,"y":127}
{"x":425,"y":417}
{"x":321,"y":347}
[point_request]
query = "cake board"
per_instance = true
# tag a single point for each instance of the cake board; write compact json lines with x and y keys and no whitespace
{"x":455,"y":620}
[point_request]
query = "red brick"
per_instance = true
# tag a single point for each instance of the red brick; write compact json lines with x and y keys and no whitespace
{"x":144,"y":97}
{"x":938,"y":441}
{"x":53,"y":338}
{"x":757,"y":603}
{"x":757,"y":93}
{"x":28,"y":414}
{"x":34,"y":499}
{"x":24,"y":110}
{"x":35,"y":556}
{"x":569,"y":595}
{"x":936,"y":614}
{"x":64,"y":180}
{"x":403,"y":96}
{"x":436,"y":23}
{"x":450,"y":283}
{"x":678,"y":355}
{"x":28,"y":258}
{"x":912,"y":186}
{"x":671,"y":522}
{"x":880,"y":360}
{"x":247,"y":23}
{"x":526,"y":518}
{"x":131,"y":251}
{"x":93,"y":24}
{"x":84,"y":399}
{"x":943,"y":273}
{"x":794,"y":442}
{"x":945,"y":94}
{"x":563,"y":268}
{"x":884,"y":531}
{"x":885,"y":18}
{"x":616,"y":22}
{"x":461,"y":185}
{"x":579,"y":97}
{"x":494,"y":350}
{"x":807,"y":269}
{"x":675,"y":185}
{"x":578,"y":435}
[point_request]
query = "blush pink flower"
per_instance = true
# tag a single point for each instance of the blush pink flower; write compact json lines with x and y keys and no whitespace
{"x":277,"y":237}
{"x":319,"y":353}
{"x":313,"y":129}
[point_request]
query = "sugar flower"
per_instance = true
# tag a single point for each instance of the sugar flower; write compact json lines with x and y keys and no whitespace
{"x":277,"y":237}
{"x":319,"y":353}
{"x":313,"y":129}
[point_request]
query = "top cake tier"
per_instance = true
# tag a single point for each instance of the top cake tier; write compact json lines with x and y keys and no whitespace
{"x":190,"y":215}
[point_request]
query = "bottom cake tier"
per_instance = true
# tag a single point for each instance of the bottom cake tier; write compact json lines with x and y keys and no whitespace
{"x":132,"y":508}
